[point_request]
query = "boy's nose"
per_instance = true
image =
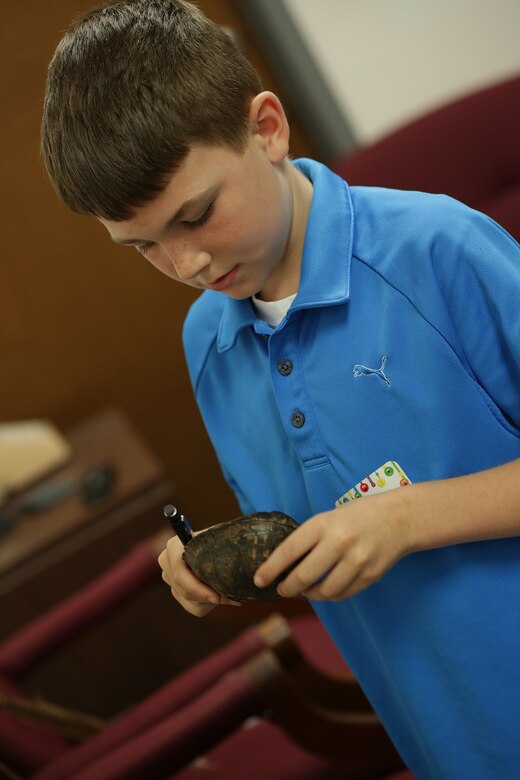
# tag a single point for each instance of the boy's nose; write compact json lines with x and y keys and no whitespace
{"x":188,"y":262}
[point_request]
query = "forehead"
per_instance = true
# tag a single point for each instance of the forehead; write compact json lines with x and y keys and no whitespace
{"x":201,"y":172}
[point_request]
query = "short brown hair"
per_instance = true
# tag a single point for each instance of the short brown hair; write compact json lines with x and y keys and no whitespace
{"x":131,"y":86}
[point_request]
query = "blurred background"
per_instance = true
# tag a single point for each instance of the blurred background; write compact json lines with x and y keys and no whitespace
{"x":90,"y":334}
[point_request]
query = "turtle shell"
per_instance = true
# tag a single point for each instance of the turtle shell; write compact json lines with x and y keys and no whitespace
{"x":226,"y":556}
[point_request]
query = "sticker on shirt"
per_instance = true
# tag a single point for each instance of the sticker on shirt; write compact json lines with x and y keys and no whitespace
{"x":389,"y":476}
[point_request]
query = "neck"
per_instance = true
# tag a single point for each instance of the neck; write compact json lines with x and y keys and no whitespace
{"x":286,"y":280}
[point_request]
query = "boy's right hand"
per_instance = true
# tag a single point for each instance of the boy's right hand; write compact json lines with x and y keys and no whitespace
{"x":195,"y":596}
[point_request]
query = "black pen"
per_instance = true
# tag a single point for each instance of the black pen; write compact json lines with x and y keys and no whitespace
{"x":178,"y":522}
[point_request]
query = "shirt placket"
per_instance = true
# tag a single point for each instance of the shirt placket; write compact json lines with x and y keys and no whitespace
{"x":294,"y":404}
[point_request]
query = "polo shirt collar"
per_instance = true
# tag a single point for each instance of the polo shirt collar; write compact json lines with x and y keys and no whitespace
{"x":327,"y":254}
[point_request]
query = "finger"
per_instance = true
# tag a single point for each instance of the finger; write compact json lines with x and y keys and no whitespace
{"x":342,"y":582}
{"x":162,"y":560}
{"x":314,"y":594}
{"x":314,"y":566}
{"x":201,"y":608}
{"x":194,"y":596}
{"x":185,"y":586}
{"x":197,"y":610}
{"x":288,"y":552}
{"x":197,"y":607}
{"x":170,"y":556}
{"x":338,"y":581}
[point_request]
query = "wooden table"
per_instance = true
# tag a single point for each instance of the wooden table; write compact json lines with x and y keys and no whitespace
{"x":49,"y":555}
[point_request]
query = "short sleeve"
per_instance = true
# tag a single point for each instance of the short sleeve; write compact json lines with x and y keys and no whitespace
{"x":481,"y":288}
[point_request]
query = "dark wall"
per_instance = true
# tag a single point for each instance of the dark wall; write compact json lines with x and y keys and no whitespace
{"x":83,"y":323}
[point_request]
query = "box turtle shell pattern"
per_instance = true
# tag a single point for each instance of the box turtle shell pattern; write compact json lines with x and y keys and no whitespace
{"x":226,"y":556}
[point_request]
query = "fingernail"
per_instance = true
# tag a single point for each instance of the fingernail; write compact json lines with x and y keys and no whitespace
{"x":280,"y":592}
{"x":236,"y":603}
{"x":258,"y":581}
{"x":213,"y":600}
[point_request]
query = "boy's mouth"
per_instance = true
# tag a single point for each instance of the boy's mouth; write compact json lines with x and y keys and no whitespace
{"x":225,"y":281}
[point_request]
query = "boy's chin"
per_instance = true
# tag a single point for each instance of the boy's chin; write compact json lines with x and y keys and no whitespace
{"x":238,"y":295}
{"x":241,"y":292}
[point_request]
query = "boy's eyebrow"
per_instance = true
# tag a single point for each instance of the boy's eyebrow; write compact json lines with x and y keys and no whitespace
{"x":186,"y":206}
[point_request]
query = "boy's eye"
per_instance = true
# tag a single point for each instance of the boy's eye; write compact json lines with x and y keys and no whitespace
{"x":144,"y":248}
{"x":201,"y":220}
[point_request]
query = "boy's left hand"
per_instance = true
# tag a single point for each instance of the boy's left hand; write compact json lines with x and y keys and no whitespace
{"x":345,"y":550}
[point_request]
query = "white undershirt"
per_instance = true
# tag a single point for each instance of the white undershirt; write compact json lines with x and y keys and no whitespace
{"x":272,"y":312}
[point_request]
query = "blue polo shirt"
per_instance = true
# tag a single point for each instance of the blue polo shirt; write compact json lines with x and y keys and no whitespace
{"x":435,"y":287}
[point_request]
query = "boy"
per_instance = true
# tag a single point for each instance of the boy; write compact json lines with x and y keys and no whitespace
{"x":339,"y":329}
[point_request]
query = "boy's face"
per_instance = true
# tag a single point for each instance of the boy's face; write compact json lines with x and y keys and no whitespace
{"x":224,"y":222}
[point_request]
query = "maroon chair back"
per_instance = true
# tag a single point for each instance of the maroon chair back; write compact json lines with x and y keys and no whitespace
{"x":191,"y":714}
{"x":28,"y":747}
{"x":24,"y":746}
{"x":468,"y":149}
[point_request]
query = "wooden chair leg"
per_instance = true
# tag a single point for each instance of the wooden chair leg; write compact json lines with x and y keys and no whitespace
{"x":70,"y":724}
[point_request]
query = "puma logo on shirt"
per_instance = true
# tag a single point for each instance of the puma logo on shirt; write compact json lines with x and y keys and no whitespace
{"x":360,"y":370}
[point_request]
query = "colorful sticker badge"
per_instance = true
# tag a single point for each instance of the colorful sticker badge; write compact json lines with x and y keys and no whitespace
{"x":387,"y":477}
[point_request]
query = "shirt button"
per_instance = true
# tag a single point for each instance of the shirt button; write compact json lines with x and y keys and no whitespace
{"x":265,"y":336}
{"x":285,"y":367}
{"x":298,"y":419}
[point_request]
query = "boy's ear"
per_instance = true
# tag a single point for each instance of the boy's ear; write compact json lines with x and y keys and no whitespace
{"x":267,"y":121}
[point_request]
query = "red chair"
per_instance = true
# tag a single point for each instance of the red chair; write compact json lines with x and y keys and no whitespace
{"x":204,"y":708}
{"x":467,"y":149}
